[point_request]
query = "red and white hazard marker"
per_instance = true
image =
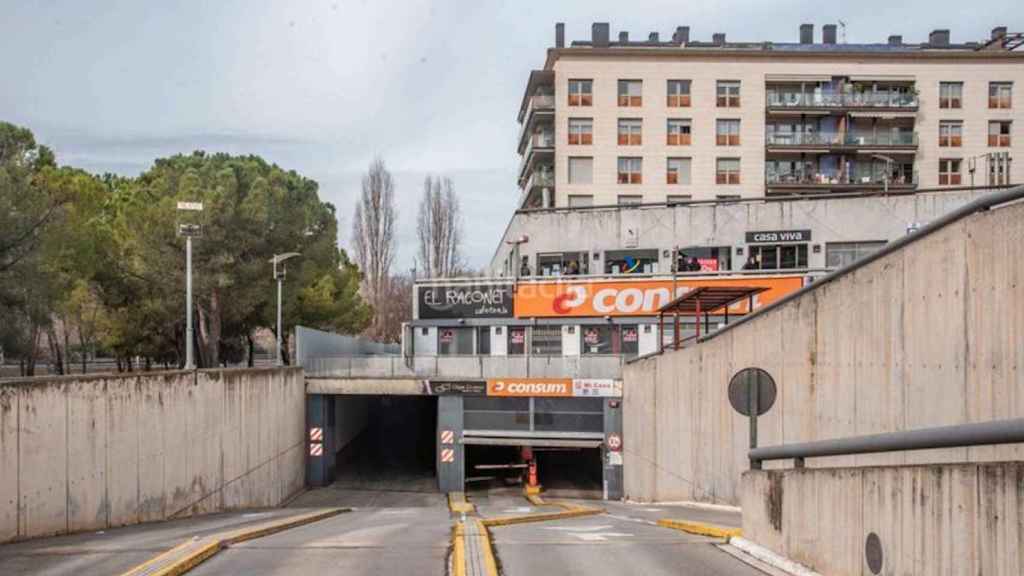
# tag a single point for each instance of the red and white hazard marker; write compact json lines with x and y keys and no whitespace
{"x":447,"y":437}
{"x":316,"y":449}
{"x":614,"y":442}
{"x":447,"y":455}
{"x":316,"y":434}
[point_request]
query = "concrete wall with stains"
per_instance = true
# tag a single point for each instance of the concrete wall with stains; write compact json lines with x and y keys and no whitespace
{"x":928,"y":519}
{"x":92,"y":452}
{"x":929,"y":335}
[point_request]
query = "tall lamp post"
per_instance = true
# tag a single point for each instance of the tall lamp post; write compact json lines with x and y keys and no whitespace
{"x":515,"y":252}
{"x":189,"y":230}
{"x":279,"y":276}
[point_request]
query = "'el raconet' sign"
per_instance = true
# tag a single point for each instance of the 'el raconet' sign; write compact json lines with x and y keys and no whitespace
{"x":465,"y":301}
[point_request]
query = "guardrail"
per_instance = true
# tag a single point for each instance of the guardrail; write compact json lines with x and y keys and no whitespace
{"x":957,"y":436}
{"x":465,"y":367}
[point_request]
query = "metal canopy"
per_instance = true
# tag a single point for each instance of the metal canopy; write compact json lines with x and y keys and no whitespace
{"x":708,"y":299}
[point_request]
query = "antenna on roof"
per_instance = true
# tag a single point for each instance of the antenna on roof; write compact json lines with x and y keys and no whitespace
{"x":842,"y":26}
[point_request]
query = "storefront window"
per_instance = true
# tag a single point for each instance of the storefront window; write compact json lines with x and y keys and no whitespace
{"x":839,"y":254}
{"x":483,"y":340}
{"x":779,"y":256}
{"x":630,"y":340}
{"x":631,"y":262}
{"x":516,"y":341}
{"x":454,"y":341}
{"x":563,"y":264}
{"x":546,"y":341}
{"x":597,"y":339}
{"x":708,"y":259}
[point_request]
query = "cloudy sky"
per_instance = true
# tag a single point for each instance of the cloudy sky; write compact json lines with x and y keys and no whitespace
{"x":322,"y":86}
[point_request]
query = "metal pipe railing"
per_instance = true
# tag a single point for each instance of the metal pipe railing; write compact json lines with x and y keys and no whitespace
{"x":957,"y":436}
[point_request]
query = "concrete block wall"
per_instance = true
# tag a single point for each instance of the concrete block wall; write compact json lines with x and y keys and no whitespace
{"x":926,"y":336}
{"x":930,"y":519}
{"x":94,"y":452}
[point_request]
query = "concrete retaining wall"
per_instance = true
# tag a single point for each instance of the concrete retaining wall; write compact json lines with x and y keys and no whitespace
{"x":937,"y":519}
{"x":927,"y":336}
{"x":88,"y":453}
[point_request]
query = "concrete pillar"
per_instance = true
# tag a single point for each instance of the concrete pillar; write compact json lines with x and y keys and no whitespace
{"x":451,"y":472}
{"x":320,"y":444}
{"x":612,"y":459}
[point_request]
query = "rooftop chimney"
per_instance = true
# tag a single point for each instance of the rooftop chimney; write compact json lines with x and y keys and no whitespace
{"x":998,"y":32}
{"x":718,"y":38}
{"x":939,"y":38}
{"x":560,"y":35}
{"x":599,"y":34}
{"x":682,"y":35}
{"x":653,"y":38}
{"x":828,"y":34}
{"x":895,"y":40}
{"x":623,"y":37}
{"x":807,"y":33}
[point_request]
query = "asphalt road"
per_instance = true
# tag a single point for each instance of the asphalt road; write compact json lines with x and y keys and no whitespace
{"x":403,"y":533}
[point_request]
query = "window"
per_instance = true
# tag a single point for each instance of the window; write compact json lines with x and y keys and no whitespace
{"x":581,"y":170}
{"x":455,"y":341}
{"x":949,"y":172}
{"x":546,"y":341}
{"x":630,"y":342}
{"x":839,"y":254}
{"x":596,"y":339}
{"x":516,"y":340}
{"x":727,"y":171}
{"x":577,"y":200}
{"x":704,"y":259}
{"x":1000,"y":94}
{"x":727,"y":132}
{"x":678,"y":132}
{"x":951,"y":133}
{"x":581,"y":92}
{"x":581,"y":131}
{"x":779,"y":256}
{"x":636,"y":261}
{"x":728,"y":94}
{"x":630,"y":132}
{"x":630,"y":171}
{"x":678,"y":93}
{"x":951,"y":94}
{"x":678,"y":171}
{"x":999,"y":168}
{"x":999,"y":134}
{"x":483,"y":340}
{"x":630,"y":199}
{"x":563,"y":263}
{"x":630,"y":93}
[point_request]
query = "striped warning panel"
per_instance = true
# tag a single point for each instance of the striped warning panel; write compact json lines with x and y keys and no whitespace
{"x":316,"y":449}
{"x":447,"y":455}
{"x":316,"y":434}
{"x":447,"y":437}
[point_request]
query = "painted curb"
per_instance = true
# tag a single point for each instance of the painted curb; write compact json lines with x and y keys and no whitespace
{"x":700,"y":528}
{"x":457,"y":503}
{"x":490,"y":562}
{"x":210,"y":545}
{"x":771,"y":558}
{"x":569,"y":512}
{"x":458,"y":550}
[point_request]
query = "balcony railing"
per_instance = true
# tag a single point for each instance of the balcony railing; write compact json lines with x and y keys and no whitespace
{"x":541,"y":177}
{"x":833,"y":100}
{"x":840,"y":139}
{"x":542,"y":140}
{"x":473,"y":367}
{"x":863,"y":177}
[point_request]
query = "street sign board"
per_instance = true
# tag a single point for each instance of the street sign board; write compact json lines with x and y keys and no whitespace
{"x":193,"y":206}
{"x":192,"y":230}
{"x":743,"y":385}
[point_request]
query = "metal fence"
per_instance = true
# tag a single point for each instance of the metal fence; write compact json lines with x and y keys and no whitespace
{"x":464,"y":367}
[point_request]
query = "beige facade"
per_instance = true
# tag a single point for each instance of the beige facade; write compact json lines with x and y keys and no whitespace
{"x":919,"y":71}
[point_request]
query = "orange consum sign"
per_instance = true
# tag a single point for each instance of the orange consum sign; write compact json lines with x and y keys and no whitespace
{"x":634,"y":297}
{"x":529,"y":387}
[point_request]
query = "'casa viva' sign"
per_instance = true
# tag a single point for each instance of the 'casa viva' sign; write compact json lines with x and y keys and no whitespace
{"x":465,"y":301}
{"x":779,"y":236}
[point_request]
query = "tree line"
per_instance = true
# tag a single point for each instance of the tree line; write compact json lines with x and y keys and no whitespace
{"x":93,"y":265}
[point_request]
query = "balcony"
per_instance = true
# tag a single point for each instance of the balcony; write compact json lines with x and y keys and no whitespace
{"x":861,"y":177}
{"x":540,"y":110}
{"x":867,"y":101}
{"x":797,"y":141}
{"x":540,"y":147}
{"x":542,"y":176}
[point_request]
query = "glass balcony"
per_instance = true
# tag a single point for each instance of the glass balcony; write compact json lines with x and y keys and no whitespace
{"x":888,"y":99}
{"x":858,"y":176}
{"x":833,"y":139}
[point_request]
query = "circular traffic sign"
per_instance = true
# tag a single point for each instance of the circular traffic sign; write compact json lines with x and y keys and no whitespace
{"x":742,"y":387}
{"x":614,"y":442}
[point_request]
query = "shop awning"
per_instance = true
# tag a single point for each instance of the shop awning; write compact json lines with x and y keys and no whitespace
{"x":707,"y":299}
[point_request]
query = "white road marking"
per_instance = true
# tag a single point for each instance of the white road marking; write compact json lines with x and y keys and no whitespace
{"x":634,"y":520}
{"x":578,"y":528}
{"x":520,"y":509}
{"x":601,"y":536}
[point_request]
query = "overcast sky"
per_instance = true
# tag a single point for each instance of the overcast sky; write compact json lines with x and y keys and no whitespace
{"x":321,"y":86}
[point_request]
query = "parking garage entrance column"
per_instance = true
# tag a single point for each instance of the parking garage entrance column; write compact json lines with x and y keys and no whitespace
{"x":450,"y":450}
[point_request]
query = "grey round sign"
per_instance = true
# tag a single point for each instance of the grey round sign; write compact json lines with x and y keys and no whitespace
{"x":743,"y":385}
{"x":873,"y":553}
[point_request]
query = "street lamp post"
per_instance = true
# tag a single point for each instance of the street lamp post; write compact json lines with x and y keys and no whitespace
{"x":279,"y":259}
{"x":189,"y":230}
{"x":515,"y":252}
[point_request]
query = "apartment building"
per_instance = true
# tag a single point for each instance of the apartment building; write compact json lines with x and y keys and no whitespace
{"x":611,"y":122}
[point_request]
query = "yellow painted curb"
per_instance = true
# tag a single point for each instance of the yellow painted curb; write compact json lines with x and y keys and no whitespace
{"x":458,"y":550}
{"x":570,"y":512}
{"x":217,"y":542}
{"x":700,"y":529}
{"x":490,"y":562}
{"x":457,"y":503}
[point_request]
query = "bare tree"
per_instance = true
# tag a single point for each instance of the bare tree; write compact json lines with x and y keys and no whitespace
{"x":439,"y":229}
{"x":395,"y":309}
{"x":373,"y":236}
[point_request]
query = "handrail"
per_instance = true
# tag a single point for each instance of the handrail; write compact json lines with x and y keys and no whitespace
{"x":956,"y":436}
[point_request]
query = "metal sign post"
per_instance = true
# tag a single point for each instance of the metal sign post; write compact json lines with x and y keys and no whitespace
{"x":752,"y":393}
{"x":188,"y":231}
{"x":279,"y":259}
